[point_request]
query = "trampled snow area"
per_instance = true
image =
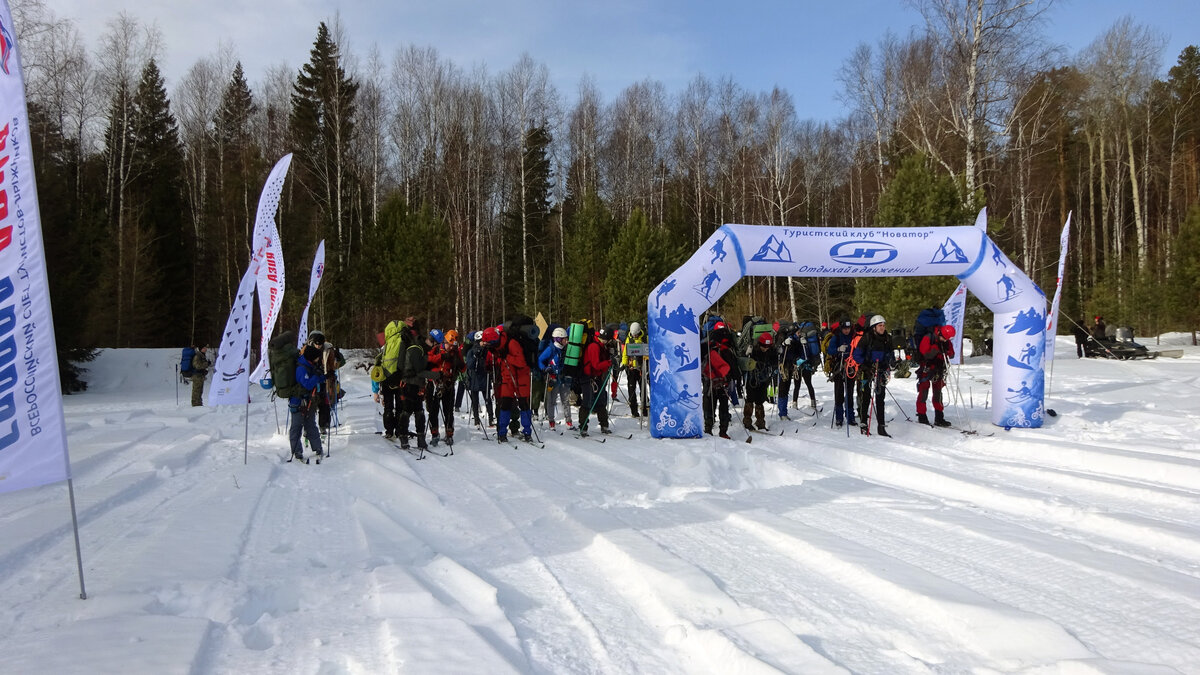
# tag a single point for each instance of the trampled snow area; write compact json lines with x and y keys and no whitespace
{"x":1074,"y":548}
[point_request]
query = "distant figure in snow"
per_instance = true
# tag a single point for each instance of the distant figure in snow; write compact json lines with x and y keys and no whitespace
{"x":200,"y":365}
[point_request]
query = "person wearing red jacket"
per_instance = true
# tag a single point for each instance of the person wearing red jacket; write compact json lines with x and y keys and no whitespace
{"x":511,"y":378}
{"x":596,"y":364}
{"x":935,"y":351}
{"x":446,"y":362}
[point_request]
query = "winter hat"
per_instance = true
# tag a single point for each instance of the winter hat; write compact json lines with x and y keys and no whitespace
{"x":635,"y":329}
{"x":316,"y":337}
{"x":947,"y":331}
{"x":765,"y":339}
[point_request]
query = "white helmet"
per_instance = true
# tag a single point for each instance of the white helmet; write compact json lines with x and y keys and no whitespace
{"x":478,"y":335}
{"x":875,"y":320}
{"x":558,"y":333}
{"x":635,"y":329}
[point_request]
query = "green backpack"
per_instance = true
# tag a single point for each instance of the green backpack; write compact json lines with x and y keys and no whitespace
{"x":284,"y":358}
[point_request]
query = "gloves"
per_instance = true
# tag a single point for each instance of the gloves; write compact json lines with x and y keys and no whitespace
{"x":787,"y":342}
{"x":842,"y":348}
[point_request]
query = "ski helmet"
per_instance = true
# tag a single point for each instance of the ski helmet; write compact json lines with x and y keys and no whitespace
{"x":947,"y":331}
{"x":435,"y":335}
{"x":876,"y":320}
{"x":490,"y":337}
{"x":478,"y":335}
{"x":451,"y":336}
{"x":558,"y":333}
{"x":635,"y":329}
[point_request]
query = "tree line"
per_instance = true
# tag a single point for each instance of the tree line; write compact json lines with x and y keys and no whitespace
{"x":464,"y":196}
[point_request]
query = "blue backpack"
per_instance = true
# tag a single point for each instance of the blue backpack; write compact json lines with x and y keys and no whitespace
{"x":185,"y":361}
{"x":927,"y":320}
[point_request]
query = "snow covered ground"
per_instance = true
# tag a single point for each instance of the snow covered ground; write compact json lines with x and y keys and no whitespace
{"x":1070,"y":549}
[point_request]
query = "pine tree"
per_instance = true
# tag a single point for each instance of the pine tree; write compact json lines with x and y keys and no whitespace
{"x":166,"y":242}
{"x":916,"y":197}
{"x":589,"y":236}
{"x":321,"y":126}
{"x":526,"y":242}
{"x":639,"y":261}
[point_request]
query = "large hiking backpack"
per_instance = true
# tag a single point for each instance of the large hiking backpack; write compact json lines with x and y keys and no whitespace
{"x":573,"y":353}
{"x":810,"y":337}
{"x":828,"y":367}
{"x":284,"y":358}
{"x":185,"y":361}
{"x":751,"y":329}
{"x":927,"y":320}
{"x":526,"y":333}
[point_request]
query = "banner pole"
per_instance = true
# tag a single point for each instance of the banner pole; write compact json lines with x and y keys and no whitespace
{"x":246,"y":435}
{"x":75,"y":528}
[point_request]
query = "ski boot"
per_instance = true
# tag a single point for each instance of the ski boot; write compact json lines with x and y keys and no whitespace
{"x":923,"y":418}
{"x":881,"y":431}
{"x":939,"y":419}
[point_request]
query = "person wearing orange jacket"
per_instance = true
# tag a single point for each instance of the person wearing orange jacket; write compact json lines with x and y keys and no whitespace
{"x":936,"y":350}
{"x":511,"y":379}
{"x":596,"y":364}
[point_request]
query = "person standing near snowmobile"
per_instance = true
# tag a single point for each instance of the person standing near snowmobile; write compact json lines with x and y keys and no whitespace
{"x":836,"y":352}
{"x":511,"y":373}
{"x":634,"y":366}
{"x":764,"y":366}
{"x":1081,"y":338}
{"x":1099,"y":329}
{"x":875,"y":356}
{"x":935,"y":351}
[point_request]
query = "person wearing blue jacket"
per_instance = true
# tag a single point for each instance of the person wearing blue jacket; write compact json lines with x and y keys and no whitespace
{"x":558,"y":388}
{"x":304,"y":408}
{"x":836,"y":351}
{"x":875,"y":356}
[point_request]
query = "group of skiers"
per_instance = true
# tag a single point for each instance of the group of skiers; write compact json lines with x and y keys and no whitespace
{"x":858,"y":357}
{"x":422,"y":377}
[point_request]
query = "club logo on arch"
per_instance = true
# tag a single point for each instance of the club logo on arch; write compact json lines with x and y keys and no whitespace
{"x":863,"y":253}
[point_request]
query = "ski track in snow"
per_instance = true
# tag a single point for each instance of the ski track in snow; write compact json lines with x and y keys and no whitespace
{"x":1073,"y":548}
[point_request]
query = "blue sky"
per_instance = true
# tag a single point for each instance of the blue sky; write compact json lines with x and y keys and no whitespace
{"x":797,"y":45}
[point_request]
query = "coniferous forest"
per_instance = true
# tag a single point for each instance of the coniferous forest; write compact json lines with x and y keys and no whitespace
{"x":464,"y":196}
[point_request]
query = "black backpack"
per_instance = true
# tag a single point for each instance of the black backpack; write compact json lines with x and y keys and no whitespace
{"x":284,"y":358}
{"x":525,"y":332}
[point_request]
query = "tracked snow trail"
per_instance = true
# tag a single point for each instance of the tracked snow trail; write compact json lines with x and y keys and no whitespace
{"x":1069,"y":549}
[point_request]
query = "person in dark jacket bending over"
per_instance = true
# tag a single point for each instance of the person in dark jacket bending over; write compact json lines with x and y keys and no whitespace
{"x":876,"y":357}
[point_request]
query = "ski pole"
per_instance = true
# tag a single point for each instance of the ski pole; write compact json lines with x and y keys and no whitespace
{"x":906,"y":417}
{"x":177,"y":378}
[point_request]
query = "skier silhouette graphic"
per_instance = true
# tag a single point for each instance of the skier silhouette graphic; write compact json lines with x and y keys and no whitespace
{"x":706,"y":287}
{"x":1010,"y":287}
{"x":996,"y":256}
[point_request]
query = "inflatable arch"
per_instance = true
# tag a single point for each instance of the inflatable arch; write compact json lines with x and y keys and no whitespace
{"x":736,"y":251}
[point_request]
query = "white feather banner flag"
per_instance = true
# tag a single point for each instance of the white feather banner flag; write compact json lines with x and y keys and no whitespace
{"x":314,"y":281}
{"x":268,"y":258}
